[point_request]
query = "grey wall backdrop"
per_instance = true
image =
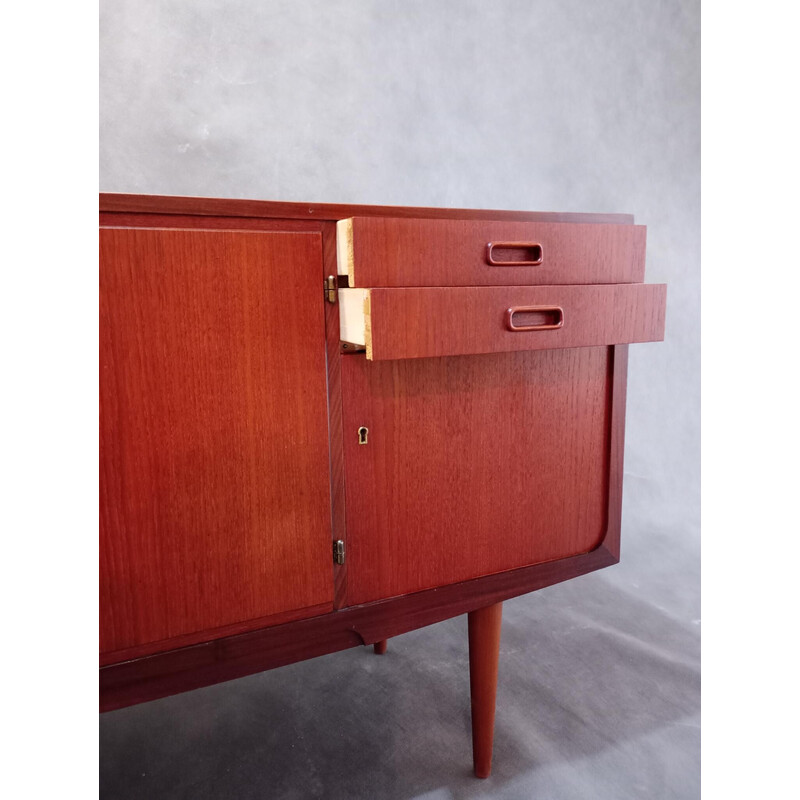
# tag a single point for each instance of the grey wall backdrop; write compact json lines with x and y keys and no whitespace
{"x":562,"y":105}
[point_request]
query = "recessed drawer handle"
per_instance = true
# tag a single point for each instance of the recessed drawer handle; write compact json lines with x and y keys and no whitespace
{"x":535,"y":318}
{"x":514,"y":254}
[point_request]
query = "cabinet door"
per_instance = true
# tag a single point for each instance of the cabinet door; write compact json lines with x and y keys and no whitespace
{"x":472,"y":465}
{"x":214,"y":468}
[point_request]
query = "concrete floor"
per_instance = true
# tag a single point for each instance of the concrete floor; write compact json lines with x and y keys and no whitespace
{"x":598,"y":697}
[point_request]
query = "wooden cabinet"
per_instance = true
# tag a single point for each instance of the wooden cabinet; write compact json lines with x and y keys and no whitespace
{"x":322,"y":426}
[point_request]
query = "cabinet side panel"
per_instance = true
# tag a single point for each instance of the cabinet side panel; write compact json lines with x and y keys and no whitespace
{"x":473,"y":465}
{"x":214,"y":480}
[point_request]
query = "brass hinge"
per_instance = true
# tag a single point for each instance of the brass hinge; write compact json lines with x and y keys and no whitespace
{"x":338,"y":552}
{"x":330,"y":288}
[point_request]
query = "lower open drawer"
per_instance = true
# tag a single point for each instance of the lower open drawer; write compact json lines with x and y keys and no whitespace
{"x":443,"y":321}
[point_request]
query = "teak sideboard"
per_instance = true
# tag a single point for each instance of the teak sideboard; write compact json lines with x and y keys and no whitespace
{"x":322,"y":426}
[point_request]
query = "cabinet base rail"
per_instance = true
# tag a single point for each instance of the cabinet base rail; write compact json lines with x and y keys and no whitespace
{"x":175,"y":671}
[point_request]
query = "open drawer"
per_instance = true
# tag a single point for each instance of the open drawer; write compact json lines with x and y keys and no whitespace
{"x":446,"y":321}
{"x":388,"y":251}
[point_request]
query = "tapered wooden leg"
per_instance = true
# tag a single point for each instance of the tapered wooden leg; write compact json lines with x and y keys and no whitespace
{"x":379,"y":647}
{"x":484,"y":653}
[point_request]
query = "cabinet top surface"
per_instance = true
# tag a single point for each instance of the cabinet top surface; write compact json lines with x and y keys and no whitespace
{"x":162,"y":204}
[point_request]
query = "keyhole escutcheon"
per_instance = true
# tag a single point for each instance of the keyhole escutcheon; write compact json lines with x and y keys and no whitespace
{"x":362,"y":435}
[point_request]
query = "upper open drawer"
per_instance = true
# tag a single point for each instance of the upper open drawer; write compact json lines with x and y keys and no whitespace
{"x":387,"y":251}
{"x":448,"y":321}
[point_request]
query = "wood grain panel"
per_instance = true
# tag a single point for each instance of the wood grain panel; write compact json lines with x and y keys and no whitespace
{"x":217,"y":660}
{"x":207,"y":634}
{"x":214,"y":490}
{"x":415,"y":323}
{"x":474,"y":465}
{"x":431,"y":252}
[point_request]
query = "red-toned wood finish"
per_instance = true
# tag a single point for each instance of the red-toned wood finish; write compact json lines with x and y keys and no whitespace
{"x":474,"y":465}
{"x":221,"y":650}
{"x":616,"y":448}
{"x":174,"y":671}
{"x":427,"y":322}
{"x":205,"y":634}
{"x":334,"y":413}
{"x":434,"y":252}
{"x":380,"y":647}
{"x":484,"y":626}
{"x":214,"y":472}
{"x":225,"y":207}
{"x":162,"y":674}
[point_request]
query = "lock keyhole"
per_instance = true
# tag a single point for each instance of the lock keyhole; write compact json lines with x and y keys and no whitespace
{"x":362,"y":435}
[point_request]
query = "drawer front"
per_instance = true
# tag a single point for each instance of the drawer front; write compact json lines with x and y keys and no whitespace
{"x":375,"y":251}
{"x":445,"y":321}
